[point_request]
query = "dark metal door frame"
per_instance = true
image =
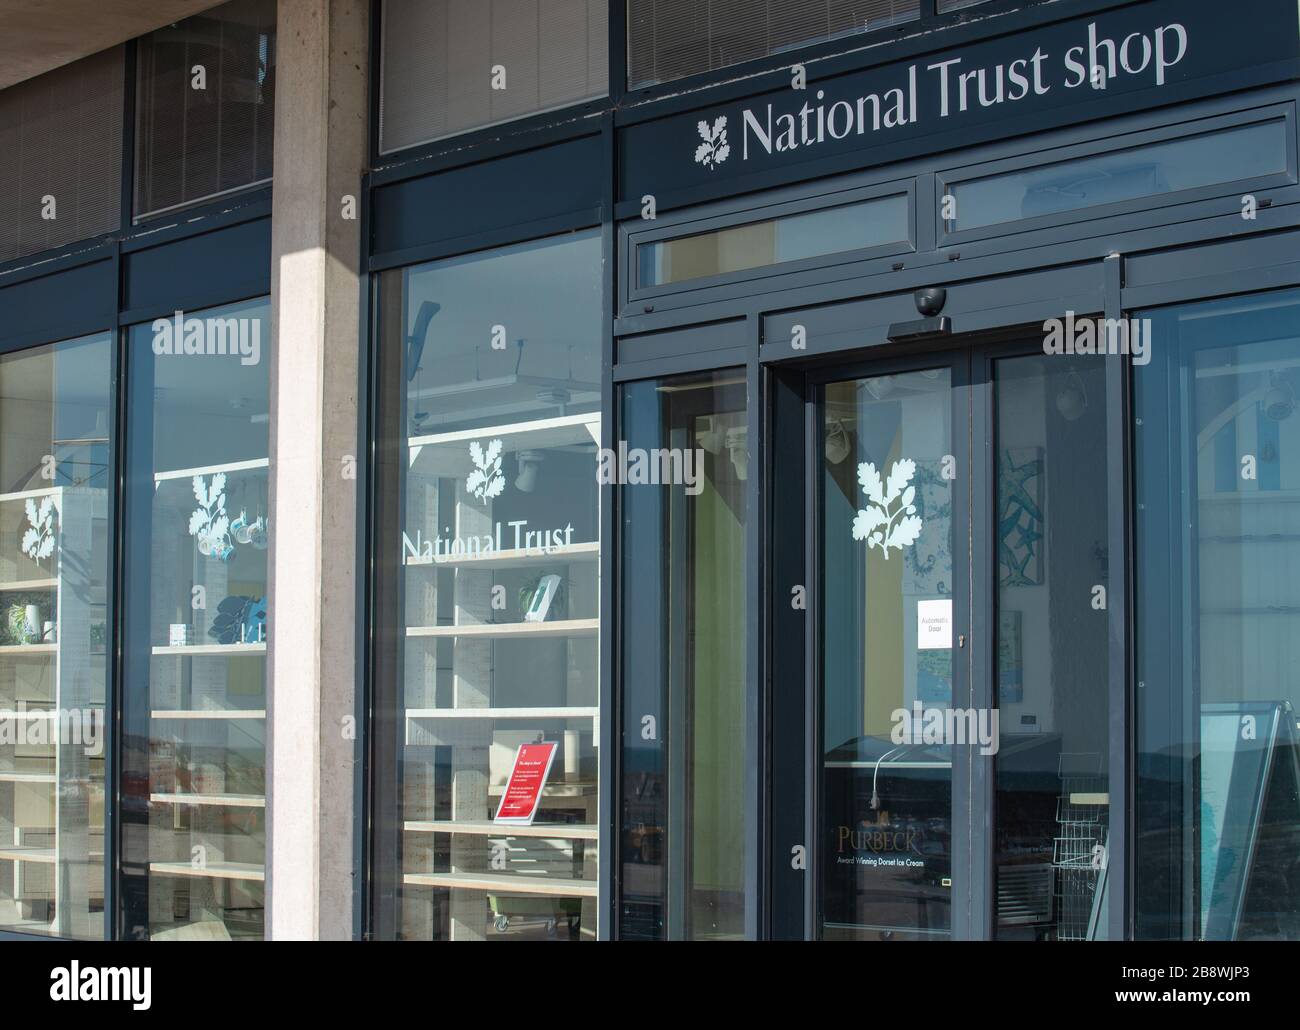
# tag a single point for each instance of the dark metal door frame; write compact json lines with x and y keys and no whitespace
{"x":971,"y":358}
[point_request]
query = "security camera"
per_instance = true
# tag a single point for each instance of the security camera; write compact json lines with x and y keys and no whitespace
{"x":930,"y":301}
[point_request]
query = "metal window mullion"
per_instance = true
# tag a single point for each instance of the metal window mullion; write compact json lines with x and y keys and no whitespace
{"x":981,"y":656}
{"x":1119,"y":600}
{"x":112,"y":616}
{"x":755,"y":566}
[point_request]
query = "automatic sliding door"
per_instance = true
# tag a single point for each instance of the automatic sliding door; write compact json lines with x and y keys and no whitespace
{"x":1052,"y":574}
{"x":893,"y":562}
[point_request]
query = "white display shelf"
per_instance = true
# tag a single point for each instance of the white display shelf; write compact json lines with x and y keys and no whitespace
{"x":488,"y":697}
{"x":531,"y":428}
{"x":252,"y":871}
{"x":23,"y":495}
{"x":82,"y":514}
{"x":561,"y":712}
{"x":38,"y":856}
{"x":503,"y":630}
{"x":202,"y":650}
{"x":487,"y":828}
{"x":448,"y":454}
{"x":500,"y":883}
{"x":513,"y":558}
{"x":207,"y":470}
{"x":15,"y":586}
{"x":229,"y":714}
{"x":213,"y":800}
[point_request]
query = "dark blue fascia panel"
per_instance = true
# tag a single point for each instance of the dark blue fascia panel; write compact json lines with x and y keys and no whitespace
{"x":767,"y":140}
{"x":62,"y":305}
{"x":474,"y":201}
{"x":215,"y":267}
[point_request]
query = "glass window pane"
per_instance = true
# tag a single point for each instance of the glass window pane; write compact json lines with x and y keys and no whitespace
{"x":1053,"y":798}
{"x":1218,"y":484}
{"x":869,"y":223}
{"x":454,"y":65}
{"x":55,"y":413}
{"x":61,"y":134}
{"x":887,"y":570}
{"x":1227,"y":156}
{"x":194,"y":780}
{"x":669,"y":39}
{"x":195,"y":143}
{"x":497,"y":422}
{"x":683,"y":819}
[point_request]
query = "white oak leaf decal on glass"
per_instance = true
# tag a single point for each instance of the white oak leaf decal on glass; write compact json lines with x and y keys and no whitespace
{"x":38,"y":541}
{"x":715,"y":148}
{"x":487,"y":480}
{"x":209,"y":523}
{"x":890,"y":520}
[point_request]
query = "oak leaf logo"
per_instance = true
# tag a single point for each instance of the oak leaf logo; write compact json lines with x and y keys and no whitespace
{"x":38,"y":541}
{"x":890,"y":520}
{"x":715,"y":148}
{"x":487,"y":480}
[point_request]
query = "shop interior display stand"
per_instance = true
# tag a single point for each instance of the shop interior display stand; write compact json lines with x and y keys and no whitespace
{"x":509,"y":871}
{"x":51,"y":856}
{"x":213,"y":861}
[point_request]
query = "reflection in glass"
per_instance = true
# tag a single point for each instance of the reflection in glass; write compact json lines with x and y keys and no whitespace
{"x":495,"y":414}
{"x":682,"y":820}
{"x":55,"y":412}
{"x":1218,"y":492}
{"x":868,"y":223}
{"x":667,"y":41}
{"x":194,"y":786}
{"x":1053,"y":798}
{"x":1226,"y":156}
{"x":887,"y":599}
{"x":554,"y":53}
{"x":192,"y":144}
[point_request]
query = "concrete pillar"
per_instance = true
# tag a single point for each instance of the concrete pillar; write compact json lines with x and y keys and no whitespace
{"x":320,"y":154}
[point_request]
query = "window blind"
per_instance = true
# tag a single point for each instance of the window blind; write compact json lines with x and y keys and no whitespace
{"x":61,"y":141}
{"x":439,"y":58}
{"x":201,"y":134}
{"x":670,"y":39}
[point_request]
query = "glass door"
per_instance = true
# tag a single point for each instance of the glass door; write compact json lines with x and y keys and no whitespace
{"x":959,"y":749}
{"x":894,"y":563}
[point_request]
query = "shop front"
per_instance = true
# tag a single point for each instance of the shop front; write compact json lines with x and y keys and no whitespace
{"x":999,"y":426}
{"x":812,"y":471}
{"x":935,"y":580}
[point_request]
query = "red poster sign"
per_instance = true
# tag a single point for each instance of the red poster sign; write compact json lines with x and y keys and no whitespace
{"x":523,"y":794}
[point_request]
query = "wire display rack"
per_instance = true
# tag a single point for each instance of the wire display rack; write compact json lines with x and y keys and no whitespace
{"x":1079,"y":847}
